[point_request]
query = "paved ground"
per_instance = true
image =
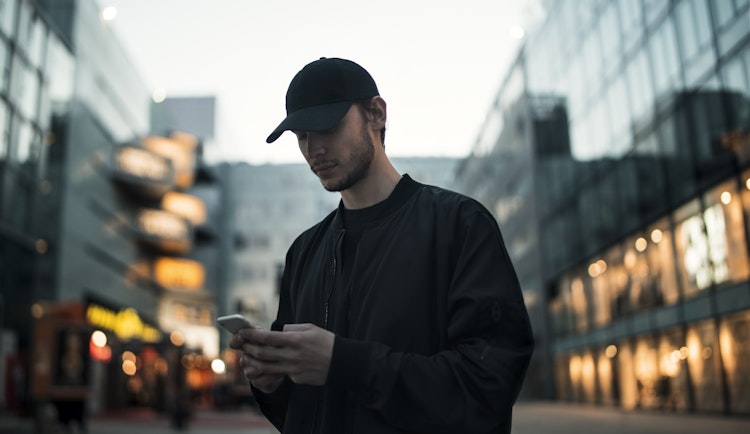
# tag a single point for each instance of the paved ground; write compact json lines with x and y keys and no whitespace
{"x":529,"y":418}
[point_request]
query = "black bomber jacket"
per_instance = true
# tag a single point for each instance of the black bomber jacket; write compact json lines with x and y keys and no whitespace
{"x":438,"y":338}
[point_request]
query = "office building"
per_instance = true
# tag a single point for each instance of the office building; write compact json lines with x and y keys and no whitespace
{"x":628,"y":217}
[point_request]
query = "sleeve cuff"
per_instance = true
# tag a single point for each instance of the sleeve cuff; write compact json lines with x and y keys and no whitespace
{"x":350,"y":363}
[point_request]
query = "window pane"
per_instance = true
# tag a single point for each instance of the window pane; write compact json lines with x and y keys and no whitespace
{"x":686,"y":29}
{"x":646,"y":358}
{"x":724,"y":227}
{"x":626,"y":368}
{"x":661,"y":262}
{"x":3,"y":131}
{"x":692,"y":249}
{"x":7,"y":16}
{"x":724,"y":12}
{"x":672,"y":386}
{"x":703,"y":363}
{"x":735,"y":354}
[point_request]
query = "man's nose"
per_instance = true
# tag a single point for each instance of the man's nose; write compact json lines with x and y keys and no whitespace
{"x":314,"y":144}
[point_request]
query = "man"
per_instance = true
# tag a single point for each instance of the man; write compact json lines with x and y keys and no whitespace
{"x":400,"y":312}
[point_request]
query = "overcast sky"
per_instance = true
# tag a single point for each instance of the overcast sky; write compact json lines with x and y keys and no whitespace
{"x":438,"y":64}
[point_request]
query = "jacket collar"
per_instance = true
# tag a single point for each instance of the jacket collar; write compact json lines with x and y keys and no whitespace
{"x":405,"y":188}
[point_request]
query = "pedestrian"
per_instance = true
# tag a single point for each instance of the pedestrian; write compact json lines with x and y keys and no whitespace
{"x":399,"y":312}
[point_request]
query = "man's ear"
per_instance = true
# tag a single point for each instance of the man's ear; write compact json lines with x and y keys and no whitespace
{"x":377,"y":114}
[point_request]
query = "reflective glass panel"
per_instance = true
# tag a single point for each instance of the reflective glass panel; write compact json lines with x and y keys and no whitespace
{"x":7,"y":16}
{"x":672,"y":386}
{"x":703,"y":363}
{"x":726,"y":236}
{"x":734,"y":339}
{"x":630,"y":389}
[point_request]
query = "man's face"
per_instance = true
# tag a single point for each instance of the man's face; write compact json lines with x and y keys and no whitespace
{"x":340,"y":157}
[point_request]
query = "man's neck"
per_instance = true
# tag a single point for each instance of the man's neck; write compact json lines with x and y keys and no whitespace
{"x":373,"y":188}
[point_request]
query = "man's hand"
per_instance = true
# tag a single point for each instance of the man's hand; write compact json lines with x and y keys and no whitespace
{"x":302,"y":352}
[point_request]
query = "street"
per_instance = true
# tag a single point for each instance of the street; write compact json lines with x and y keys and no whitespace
{"x":529,"y":418}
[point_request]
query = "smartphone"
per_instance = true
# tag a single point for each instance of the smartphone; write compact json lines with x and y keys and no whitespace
{"x":234,"y":322}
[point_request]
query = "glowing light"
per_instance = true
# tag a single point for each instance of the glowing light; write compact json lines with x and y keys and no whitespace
{"x":597,"y":268}
{"x":517,"y":32}
{"x":177,"y":338}
{"x":218,"y":366}
{"x":707,"y":353}
{"x":656,"y":236}
{"x":629,"y":260}
{"x":726,"y":197}
{"x":37,"y":310}
{"x":109,"y":13}
{"x":128,"y":367}
{"x":611,"y":351}
{"x":41,"y":246}
{"x":575,"y":369}
{"x":159,"y":95}
{"x":641,"y":244}
{"x":684,"y":353}
{"x":128,"y":356}
{"x":99,"y":338}
{"x":747,"y":183}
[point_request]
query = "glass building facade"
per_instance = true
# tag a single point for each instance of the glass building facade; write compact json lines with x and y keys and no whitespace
{"x":637,"y":203}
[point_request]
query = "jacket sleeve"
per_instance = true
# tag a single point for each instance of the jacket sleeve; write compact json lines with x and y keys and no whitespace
{"x":472,"y":384}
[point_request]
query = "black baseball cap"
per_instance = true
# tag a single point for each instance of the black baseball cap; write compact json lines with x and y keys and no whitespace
{"x":321,"y":93}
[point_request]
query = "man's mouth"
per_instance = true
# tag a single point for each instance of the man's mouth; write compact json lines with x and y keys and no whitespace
{"x":322,"y":167}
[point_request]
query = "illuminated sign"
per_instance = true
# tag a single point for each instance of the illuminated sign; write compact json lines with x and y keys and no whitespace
{"x":179,"y":152}
{"x":126,"y":323}
{"x":141,"y":163}
{"x":179,"y":273}
{"x":162,"y":224}
{"x":185,"y":205}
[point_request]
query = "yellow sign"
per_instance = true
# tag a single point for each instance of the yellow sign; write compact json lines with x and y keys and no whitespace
{"x":141,"y":163}
{"x":185,"y":205}
{"x":179,"y":273}
{"x":126,"y":323}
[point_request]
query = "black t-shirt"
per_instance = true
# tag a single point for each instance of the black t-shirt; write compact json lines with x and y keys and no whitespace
{"x":355,"y":221}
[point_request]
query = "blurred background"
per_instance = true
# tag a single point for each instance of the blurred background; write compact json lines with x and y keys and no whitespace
{"x":139,"y":201}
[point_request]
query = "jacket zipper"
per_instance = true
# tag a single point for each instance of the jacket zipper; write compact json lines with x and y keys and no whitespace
{"x":337,"y":248}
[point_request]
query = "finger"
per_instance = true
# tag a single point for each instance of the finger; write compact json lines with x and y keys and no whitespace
{"x":297,"y":327}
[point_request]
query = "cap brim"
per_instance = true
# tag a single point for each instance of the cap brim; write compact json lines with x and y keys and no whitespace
{"x":315,"y":118}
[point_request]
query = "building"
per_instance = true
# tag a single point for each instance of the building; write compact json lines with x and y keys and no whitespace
{"x":273,"y":204}
{"x":98,"y":231}
{"x":637,"y":201}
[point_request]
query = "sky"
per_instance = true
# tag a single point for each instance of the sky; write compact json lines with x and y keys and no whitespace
{"x":438,"y":64}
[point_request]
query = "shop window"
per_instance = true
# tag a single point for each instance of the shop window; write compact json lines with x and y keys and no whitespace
{"x":588,"y":378}
{"x":607,"y":278}
{"x":703,"y":364}
{"x":724,"y":226}
{"x":608,"y":389}
{"x":640,"y":292}
{"x":692,"y":242}
{"x":671,"y":387}
{"x":646,"y":367}
{"x":627,"y":380}
{"x":660,"y":254}
{"x":734,"y":340}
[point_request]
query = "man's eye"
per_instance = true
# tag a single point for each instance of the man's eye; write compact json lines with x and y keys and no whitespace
{"x":301,"y":135}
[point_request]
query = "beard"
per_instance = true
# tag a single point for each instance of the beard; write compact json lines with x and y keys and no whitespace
{"x":358,"y":164}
